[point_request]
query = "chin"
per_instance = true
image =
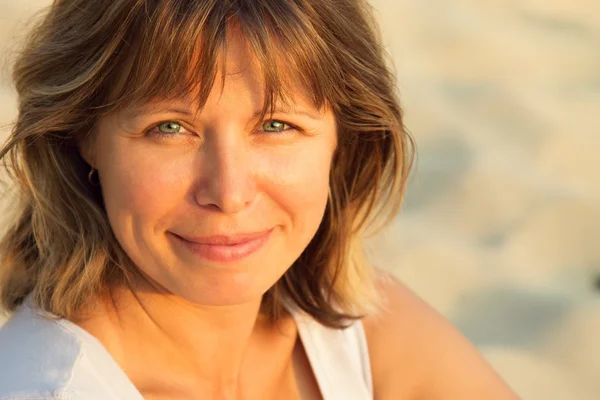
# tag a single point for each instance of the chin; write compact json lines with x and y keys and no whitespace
{"x":224,"y":287}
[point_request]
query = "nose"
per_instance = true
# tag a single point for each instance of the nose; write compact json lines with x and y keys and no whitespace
{"x":227,"y":181}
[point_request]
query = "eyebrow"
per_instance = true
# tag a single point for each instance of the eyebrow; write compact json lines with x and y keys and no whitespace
{"x":153,"y":110}
{"x":291,"y":110}
{"x":157,"y":109}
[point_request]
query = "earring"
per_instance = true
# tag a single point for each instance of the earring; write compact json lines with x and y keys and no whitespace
{"x":91,"y":177}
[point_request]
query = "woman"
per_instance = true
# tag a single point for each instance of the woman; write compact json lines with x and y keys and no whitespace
{"x":195,"y":178}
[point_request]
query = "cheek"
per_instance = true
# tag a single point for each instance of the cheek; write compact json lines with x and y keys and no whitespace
{"x":300,"y":185}
{"x":140,"y":188}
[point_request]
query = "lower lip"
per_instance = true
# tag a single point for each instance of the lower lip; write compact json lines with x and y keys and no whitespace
{"x":225,"y":253}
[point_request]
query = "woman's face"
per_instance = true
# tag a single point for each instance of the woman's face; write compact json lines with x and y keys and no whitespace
{"x":207,"y":207}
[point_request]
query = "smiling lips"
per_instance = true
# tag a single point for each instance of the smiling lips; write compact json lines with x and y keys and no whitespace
{"x":225,"y":249}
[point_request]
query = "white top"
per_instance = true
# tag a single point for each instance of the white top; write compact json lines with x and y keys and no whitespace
{"x":43,"y":357}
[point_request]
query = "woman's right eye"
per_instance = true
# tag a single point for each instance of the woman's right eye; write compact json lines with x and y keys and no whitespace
{"x":166,"y":129}
{"x":169,"y":127}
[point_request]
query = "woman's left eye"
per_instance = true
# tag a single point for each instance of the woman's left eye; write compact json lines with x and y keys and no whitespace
{"x":276,"y":126}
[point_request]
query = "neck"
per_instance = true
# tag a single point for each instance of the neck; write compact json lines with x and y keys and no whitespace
{"x":151,"y":333}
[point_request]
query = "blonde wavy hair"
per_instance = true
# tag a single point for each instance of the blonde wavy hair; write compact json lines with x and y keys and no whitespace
{"x":85,"y":59}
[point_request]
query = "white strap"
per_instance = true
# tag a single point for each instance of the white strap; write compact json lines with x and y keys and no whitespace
{"x":339,"y":358}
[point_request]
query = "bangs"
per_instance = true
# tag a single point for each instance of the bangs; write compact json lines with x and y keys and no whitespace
{"x":171,"y":50}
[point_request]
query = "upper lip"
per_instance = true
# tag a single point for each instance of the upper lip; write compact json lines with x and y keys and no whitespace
{"x":225,"y":240}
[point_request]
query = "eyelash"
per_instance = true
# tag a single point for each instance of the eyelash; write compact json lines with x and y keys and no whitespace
{"x":170,"y":136}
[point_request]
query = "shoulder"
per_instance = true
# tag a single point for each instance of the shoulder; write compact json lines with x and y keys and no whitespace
{"x":36,"y":357}
{"x":416,"y":353}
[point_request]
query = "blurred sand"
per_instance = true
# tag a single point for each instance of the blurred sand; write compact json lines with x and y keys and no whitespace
{"x":500,"y":230}
{"x":501,"y":224}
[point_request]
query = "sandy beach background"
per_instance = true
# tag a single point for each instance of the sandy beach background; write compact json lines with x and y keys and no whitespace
{"x":501,"y":226}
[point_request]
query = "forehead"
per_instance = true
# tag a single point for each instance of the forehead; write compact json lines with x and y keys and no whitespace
{"x":239,"y":65}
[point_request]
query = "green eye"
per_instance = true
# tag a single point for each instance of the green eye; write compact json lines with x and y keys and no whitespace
{"x":169,"y":127}
{"x":274,"y":126}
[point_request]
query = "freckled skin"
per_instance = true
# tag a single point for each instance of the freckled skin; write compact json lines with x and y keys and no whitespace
{"x":216,"y":176}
